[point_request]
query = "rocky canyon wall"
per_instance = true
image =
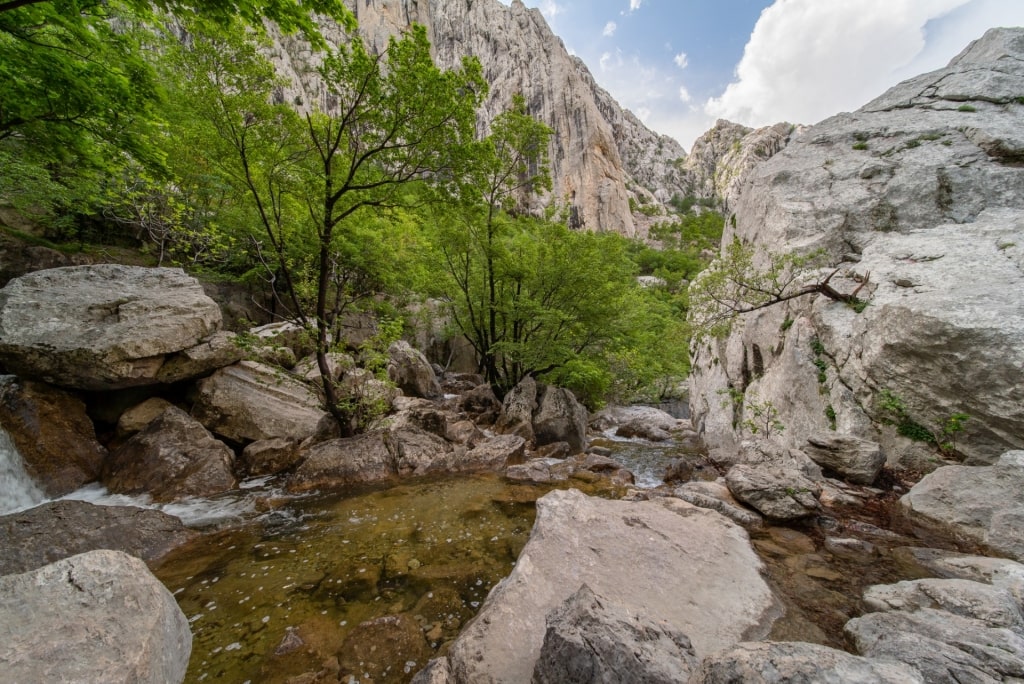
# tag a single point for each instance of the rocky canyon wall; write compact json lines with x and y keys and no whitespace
{"x":919,"y":197}
{"x":601,"y":155}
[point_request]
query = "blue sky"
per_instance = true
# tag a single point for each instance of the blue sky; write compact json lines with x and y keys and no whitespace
{"x":681,"y":64}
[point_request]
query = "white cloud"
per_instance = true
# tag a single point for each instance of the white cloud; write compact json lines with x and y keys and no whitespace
{"x":684,"y":94}
{"x":634,"y":5}
{"x":808,"y":59}
{"x":643,"y":113}
{"x":681,"y":60}
{"x":609,"y":29}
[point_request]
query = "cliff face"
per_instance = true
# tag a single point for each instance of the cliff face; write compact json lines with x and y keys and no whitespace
{"x":600,"y":154}
{"x":919,"y":196}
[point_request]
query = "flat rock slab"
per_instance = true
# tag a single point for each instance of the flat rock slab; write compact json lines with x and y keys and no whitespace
{"x":683,"y":566}
{"x":59,"y":529}
{"x":775,"y":663}
{"x":97,"y":617}
{"x":102,"y":327}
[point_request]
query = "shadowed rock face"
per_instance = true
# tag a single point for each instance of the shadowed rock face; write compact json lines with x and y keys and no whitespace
{"x":59,"y":529}
{"x":918,"y":195}
{"x":597,"y":147}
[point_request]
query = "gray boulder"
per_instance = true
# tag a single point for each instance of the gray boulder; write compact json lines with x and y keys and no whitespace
{"x":96,"y":617}
{"x":216,"y":351}
{"x":995,"y":606}
{"x":945,"y":648}
{"x":136,"y":418}
{"x":717,"y":497}
{"x":590,"y":640}
{"x":173,"y":458}
{"x":799,"y":663}
{"x":560,"y":418}
{"x":696,"y":557}
{"x":59,"y":529}
{"x":344,"y":461}
{"x":53,"y":434}
{"x":270,"y":456}
{"x":517,"y":409}
{"x":248,"y":401}
{"x":103,"y":327}
{"x":614,"y":416}
{"x":982,"y":503}
{"x":776,"y":492}
{"x":491,"y":454}
{"x":409,"y":369}
{"x":857,"y":460}
{"x":999,"y":572}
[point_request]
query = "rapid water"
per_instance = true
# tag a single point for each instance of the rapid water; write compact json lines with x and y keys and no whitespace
{"x":17,"y":490}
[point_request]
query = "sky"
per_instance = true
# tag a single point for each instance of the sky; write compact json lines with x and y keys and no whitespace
{"x":681,"y":64}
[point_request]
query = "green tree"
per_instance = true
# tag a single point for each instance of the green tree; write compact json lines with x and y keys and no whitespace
{"x":385,"y":124}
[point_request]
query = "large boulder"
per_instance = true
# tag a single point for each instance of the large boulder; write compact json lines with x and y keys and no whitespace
{"x":560,"y":418}
{"x":784,"y":662}
{"x":857,"y":460}
{"x":249,"y":401}
{"x":982,"y":503}
{"x":173,"y":458}
{"x":53,"y":434}
{"x":916,"y":197}
{"x":517,"y":409}
{"x":59,"y":529}
{"x":345,"y":461}
{"x":97,"y":617}
{"x":105,"y":326}
{"x":776,"y":492}
{"x":615,"y":416}
{"x":696,"y":557}
{"x":590,"y":639}
{"x":409,"y":369}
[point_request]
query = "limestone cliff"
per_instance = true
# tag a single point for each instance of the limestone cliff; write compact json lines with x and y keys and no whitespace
{"x":920,"y":194}
{"x":601,"y":155}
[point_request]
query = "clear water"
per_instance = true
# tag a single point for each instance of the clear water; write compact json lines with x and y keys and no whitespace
{"x":369,"y":585}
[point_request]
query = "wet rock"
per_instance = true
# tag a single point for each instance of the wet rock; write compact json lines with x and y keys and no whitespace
{"x":270,"y":456}
{"x":464,"y":432}
{"x":290,"y":642}
{"x":59,"y":529}
{"x":52,"y":433}
{"x":139,"y":416}
{"x":102,"y":327}
{"x":409,"y":369}
{"x":437,"y":671}
{"x":982,"y":503}
{"x":517,"y":410}
{"x":698,"y":557}
{"x":783,"y":662}
{"x":679,"y":470}
{"x":376,"y":645}
{"x":417,"y":451}
{"x":775,"y":492}
{"x":555,"y":450}
{"x":172,"y":459}
{"x":560,"y":418}
{"x":856,"y":460}
{"x":590,"y":639}
{"x":942,"y":646}
{"x":95,"y":617}
{"x":250,"y":401}
{"x":850,"y":547}
{"x":496,"y":453}
{"x":344,"y":461}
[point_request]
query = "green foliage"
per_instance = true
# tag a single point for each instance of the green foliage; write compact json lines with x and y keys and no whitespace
{"x":786,"y":324}
{"x":950,"y":428}
{"x":762,"y":418}
{"x":966,"y":108}
{"x":944,"y":439}
{"x":830,"y":415}
{"x":861,"y":145}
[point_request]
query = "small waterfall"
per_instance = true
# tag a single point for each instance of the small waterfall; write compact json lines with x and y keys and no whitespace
{"x":17,"y":490}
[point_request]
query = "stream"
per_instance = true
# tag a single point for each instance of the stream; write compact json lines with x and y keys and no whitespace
{"x":370,"y":583}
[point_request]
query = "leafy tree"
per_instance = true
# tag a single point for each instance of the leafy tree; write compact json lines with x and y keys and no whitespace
{"x":386,"y":123}
{"x":735,"y":285}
